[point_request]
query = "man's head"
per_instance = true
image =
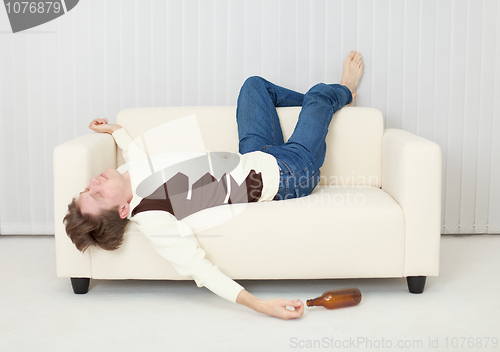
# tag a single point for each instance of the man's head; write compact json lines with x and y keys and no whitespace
{"x":98,"y":217}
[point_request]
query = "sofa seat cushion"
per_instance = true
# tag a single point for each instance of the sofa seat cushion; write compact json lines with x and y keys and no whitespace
{"x":342,"y":232}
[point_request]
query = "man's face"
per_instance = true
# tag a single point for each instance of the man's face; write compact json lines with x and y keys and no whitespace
{"x":106,"y":191}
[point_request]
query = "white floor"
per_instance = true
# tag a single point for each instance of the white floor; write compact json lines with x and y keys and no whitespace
{"x":458,"y":311}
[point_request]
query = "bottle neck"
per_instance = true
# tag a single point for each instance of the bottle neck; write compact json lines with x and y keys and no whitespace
{"x":314,"y":302}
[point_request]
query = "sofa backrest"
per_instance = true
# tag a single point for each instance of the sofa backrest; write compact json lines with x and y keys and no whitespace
{"x":354,"y":141}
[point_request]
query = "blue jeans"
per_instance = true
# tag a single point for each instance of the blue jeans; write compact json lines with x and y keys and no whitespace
{"x":259,"y":129}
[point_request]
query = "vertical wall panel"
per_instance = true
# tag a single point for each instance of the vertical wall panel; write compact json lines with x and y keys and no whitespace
{"x":494,"y":204}
{"x":426,"y":70}
{"x":190,"y":69}
{"x":317,"y":41}
{"x":365,"y":47}
{"x":220,"y":50}
{"x":112,"y":58}
{"x":486,"y":115}
{"x":51,"y":122}
{"x":442,"y":89}
{"x":81,"y":73}
{"x":471,"y":118}
{"x":97,"y":61}
{"x":379,"y":62}
{"x":8,"y":208}
{"x":253,"y":39}
{"x":432,"y":68}
{"x":175,"y":58}
{"x":409,"y":117}
{"x":65,"y":75}
{"x":333,"y":42}
{"x":142,"y":37}
{"x":287,"y":43}
{"x":21,"y":200}
{"x":395,"y":64}
{"x":158,"y":53}
{"x":235,"y":50}
{"x":302,"y":33}
{"x":270,"y":35}
{"x":206,"y":53}
{"x":128,"y":51}
{"x":35,"y":218}
{"x":456,"y":114}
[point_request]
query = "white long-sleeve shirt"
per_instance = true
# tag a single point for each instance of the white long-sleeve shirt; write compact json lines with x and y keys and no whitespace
{"x":172,"y":238}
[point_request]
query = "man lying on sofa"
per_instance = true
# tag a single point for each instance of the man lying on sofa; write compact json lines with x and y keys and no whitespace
{"x":267,"y":169}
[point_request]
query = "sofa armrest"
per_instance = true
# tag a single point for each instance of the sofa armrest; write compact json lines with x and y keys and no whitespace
{"x":75,"y":163}
{"x":411,"y":174}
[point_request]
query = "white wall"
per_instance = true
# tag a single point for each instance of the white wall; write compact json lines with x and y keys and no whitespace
{"x":432,"y":67}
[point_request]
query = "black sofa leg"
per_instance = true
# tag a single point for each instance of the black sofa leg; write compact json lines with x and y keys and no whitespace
{"x":80,"y":285}
{"x":416,"y":283}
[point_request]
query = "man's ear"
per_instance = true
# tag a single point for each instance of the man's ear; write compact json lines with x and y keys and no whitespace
{"x":125,"y":208}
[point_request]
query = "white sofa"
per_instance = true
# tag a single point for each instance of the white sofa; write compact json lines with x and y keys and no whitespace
{"x":375,"y":214}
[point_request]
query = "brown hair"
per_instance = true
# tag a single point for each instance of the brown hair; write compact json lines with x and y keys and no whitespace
{"x":105,"y":231}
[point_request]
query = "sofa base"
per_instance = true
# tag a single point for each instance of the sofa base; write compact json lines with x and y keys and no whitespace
{"x":80,"y":285}
{"x":416,"y":283}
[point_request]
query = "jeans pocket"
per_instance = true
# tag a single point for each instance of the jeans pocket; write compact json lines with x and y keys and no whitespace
{"x":285,"y":169}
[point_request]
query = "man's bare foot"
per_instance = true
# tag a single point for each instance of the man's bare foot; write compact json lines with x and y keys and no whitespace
{"x":353,"y":68}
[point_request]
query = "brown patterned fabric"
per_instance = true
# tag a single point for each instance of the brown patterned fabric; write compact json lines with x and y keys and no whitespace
{"x":207,"y":192}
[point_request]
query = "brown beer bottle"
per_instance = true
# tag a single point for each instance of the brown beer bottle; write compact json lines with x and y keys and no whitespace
{"x":333,"y":299}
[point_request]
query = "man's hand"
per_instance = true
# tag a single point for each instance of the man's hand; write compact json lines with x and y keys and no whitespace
{"x":277,"y":308}
{"x":102,"y":126}
{"x":274,"y":307}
